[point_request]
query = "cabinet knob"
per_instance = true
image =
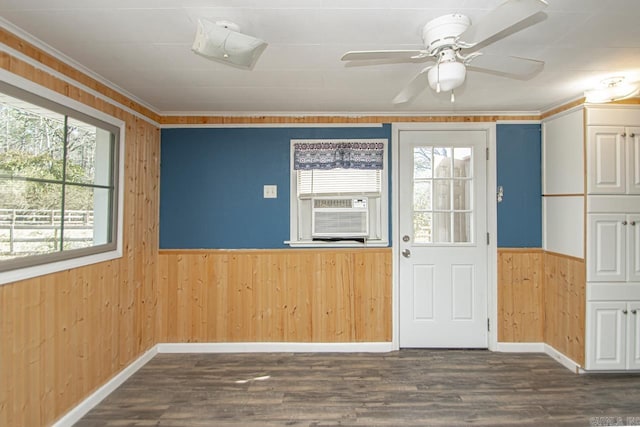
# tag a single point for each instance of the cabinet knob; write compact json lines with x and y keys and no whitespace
{"x":632,"y":223}
{"x":632,"y":135}
{"x":634,"y":311}
{"x":624,"y":311}
{"x":624,"y":222}
{"x":623,"y":135}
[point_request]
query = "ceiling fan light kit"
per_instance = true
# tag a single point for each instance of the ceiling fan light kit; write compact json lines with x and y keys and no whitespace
{"x":222,"y":41}
{"x":446,"y":76}
{"x":612,"y":89}
{"x":445,"y":38}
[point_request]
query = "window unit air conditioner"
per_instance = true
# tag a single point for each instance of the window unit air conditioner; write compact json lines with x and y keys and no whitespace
{"x":340,"y":218}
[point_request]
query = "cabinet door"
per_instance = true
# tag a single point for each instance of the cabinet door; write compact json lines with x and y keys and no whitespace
{"x":606,"y":335}
{"x":633,"y":245}
{"x":606,"y":248}
{"x":633,"y":164}
{"x":606,"y":173}
{"x":633,"y":334}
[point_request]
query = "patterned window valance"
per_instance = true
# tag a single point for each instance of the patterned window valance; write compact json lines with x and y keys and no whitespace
{"x":338,"y":154}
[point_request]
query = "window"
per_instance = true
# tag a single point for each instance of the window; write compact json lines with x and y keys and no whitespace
{"x":339,"y":192}
{"x":58,"y":182}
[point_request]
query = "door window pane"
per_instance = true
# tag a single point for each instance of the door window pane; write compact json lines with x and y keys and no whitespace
{"x":443,"y":195}
{"x":462,"y":227}
{"x":441,"y":227}
{"x":462,"y":195}
{"x":422,"y":227}
{"x":422,"y":195}
{"x":422,"y":162}
{"x":443,"y":161}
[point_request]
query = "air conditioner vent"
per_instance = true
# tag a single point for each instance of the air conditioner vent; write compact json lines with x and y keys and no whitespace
{"x":340,"y":218}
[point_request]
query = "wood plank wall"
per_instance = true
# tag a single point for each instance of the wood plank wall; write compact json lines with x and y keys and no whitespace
{"x":565,"y":302}
{"x":291,"y":295}
{"x":520,"y":295}
{"x":63,"y":335}
{"x":541,"y":298}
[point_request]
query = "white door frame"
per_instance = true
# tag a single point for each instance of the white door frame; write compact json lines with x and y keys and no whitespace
{"x":492,"y":221}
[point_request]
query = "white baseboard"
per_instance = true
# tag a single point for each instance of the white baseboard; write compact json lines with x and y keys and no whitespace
{"x":539,"y":347}
{"x":562,"y":359}
{"x":276,"y":347}
{"x":520,"y":347}
{"x":74,"y":415}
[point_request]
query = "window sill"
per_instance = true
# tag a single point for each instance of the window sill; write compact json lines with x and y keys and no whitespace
{"x":25,"y":273}
{"x":344,"y":244}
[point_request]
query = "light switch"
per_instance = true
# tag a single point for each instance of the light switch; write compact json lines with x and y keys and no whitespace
{"x":270,"y":191}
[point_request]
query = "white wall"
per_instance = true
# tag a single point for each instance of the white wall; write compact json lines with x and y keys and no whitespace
{"x":563,"y":183}
{"x":563,"y":154}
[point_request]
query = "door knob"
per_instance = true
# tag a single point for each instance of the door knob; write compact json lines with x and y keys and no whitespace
{"x":406,"y":253}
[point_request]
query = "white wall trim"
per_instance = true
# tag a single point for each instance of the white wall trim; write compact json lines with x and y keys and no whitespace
{"x":518,"y":122}
{"x":356,"y":114}
{"x":81,"y":86}
{"x":271,"y":125}
{"x":12,"y":28}
{"x":564,"y":113}
{"x":276,"y":347}
{"x":520,"y":347}
{"x":80,"y":410}
{"x":562,"y":359}
{"x":540,"y":347}
{"x":560,"y":104}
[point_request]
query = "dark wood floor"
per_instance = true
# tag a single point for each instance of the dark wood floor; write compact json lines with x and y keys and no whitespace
{"x":409,"y":387}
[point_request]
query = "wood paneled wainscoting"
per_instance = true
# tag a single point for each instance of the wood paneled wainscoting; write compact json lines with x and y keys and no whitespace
{"x":541,"y":299}
{"x":565,"y":304}
{"x":287,"y":295}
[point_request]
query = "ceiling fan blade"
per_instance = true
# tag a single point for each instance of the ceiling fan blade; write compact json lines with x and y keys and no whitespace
{"x":415,"y":86}
{"x":368,"y":55}
{"x":509,"y":66}
{"x":499,"y":19}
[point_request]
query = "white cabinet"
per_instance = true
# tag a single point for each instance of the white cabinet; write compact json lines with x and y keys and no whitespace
{"x":613,"y":248}
{"x":613,"y":160}
{"x":612,"y":335}
{"x":612,"y":238}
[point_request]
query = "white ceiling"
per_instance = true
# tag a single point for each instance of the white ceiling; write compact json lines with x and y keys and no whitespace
{"x":144,"y":48}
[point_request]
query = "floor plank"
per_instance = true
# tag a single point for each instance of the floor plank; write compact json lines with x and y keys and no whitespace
{"x":405,"y":388}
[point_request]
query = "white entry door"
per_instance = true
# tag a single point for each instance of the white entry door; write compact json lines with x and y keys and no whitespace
{"x":443,"y":238}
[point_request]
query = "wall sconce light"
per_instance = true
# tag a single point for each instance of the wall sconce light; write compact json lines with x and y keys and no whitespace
{"x":612,"y":89}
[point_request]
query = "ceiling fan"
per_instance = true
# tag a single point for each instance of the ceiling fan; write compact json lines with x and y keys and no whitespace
{"x":448,"y":38}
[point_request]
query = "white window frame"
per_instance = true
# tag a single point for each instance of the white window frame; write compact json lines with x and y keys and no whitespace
{"x":23,"y":273}
{"x":384,"y":203}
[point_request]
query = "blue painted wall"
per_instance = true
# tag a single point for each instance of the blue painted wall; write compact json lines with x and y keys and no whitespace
{"x":519,"y":172}
{"x":211,"y":184}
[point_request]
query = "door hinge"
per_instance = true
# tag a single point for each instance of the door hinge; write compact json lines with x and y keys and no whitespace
{"x":487,"y":151}
{"x":488,"y":325}
{"x":488,"y":239}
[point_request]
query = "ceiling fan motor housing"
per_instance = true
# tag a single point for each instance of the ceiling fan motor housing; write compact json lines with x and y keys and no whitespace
{"x":443,"y":31}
